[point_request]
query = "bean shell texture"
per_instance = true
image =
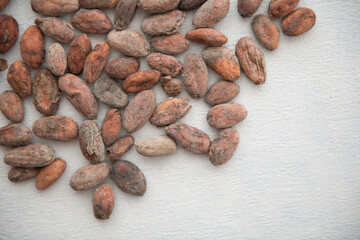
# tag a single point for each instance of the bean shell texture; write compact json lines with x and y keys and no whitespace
{"x":187,"y":5}
{"x":19,"y":174}
{"x":91,"y":142}
{"x":98,"y":3}
{"x":95,"y":62}
{"x":171,"y":86}
{"x":32,"y":47}
{"x":207,"y":36}
{"x":247,"y":8}
{"x":122,"y":67}
{"x":109,"y":92}
{"x":221,"y":92}
{"x":281,"y":8}
{"x":9,"y":32}
{"x":195,"y":75}
{"x":19,"y":79}
{"x":166,"y":64}
{"x":89,"y":176}
{"x":211,"y":13}
{"x":155,"y":146}
{"x":56,"y":28}
{"x":92,"y":21}
{"x":124,"y":13}
{"x":103,"y":202}
{"x":226,"y":115}
{"x":111,"y":126}
{"x":224,"y":146}
{"x":158,"y":6}
{"x":266,"y":32}
{"x":79,"y":49}
{"x":55,"y":7}
{"x":141,"y":81}
{"x":15,"y":135}
{"x":170,"y":44}
{"x":298,"y":22}
{"x":50,"y":173}
{"x":163,"y":24}
{"x":3,"y":3}
{"x":11,"y":106}
{"x":56,"y":59}
{"x":119,"y":148}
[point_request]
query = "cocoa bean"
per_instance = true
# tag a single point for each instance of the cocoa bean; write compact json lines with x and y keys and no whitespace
{"x":32,"y":47}
{"x":18,"y":77}
{"x":110,"y":93}
{"x":119,"y":148}
{"x":211,"y":13}
{"x":103,"y":202}
{"x":170,"y":44}
{"x":124,"y":13}
{"x":221,"y":92}
{"x":111,"y":126}
{"x":123,"y":67}
{"x":89,"y":176}
{"x":11,"y":106}
{"x":298,"y":22}
{"x":195,"y":75}
{"x":223,"y":146}
{"x":56,"y":28}
{"x":188,"y":5}
{"x":9,"y":32}
{"x":163,"y":24}
{"x":19,"y":174}
{"x":266,"y":32}
{"x":141,"y":81}
{"x":281,"y":8}
{"x":50,"y":173}
{"x":55,"y":7}
{"x":3,"y":64}
{"x":98,"y":3}
{"x":95,"y":62}
{"x":167,"y":65}
{"x":207,"y":36}
{"x":155,"y":146}
{"x":247,"y":8}
{"x":92,"y":21}
{"x":15,"y":135}
{"x":3,"y":3}
{"x":171,"y":86}
{"x":56,"y":59}
{"x":226,"y":115}
{"x":158,"y":6}
{"x":79,"y":49}
{"x":91,"y":142}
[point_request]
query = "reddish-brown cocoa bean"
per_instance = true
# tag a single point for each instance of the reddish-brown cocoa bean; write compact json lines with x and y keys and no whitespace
{"x":111,"y":126}
{"x":103,"y":202}
{"x":89,"y":176}
{"x":56,"y":59}
{"x":298,"y":22}
{"x":210,"y":13}
{"x":56,"y":28}
{"x":247,"y":8}
{"x":18,"y":77}
{"x":95,"y":62}
{"x":79,"y":49}
{"x":163,"y":24}
{"x":15,"y":135}
{"x":3,"y":3}
{"x":79,"y":94}
{"x":155,"y":146}
{"x":128,"y":177}
{"x":98,"y":3}
{"x":207,"y":36}
{"x":281,"y":8}
{"x":195,"y":75}
{"x":110,"y":93}
{"x":3,"y":64}
{"x":91,"y":142}
{"x":139,"y":111}
{"x":170,"y":44}
{"x":266,"y":32}
{"x":141,"y":81}
{"x":11,"y":106}
{"x":124,"y":13}
{"x":46,"y":94}
{"x":226,"y":115}
{"x":119,"y":148}
{"x":158,"y":6}
{"x":55,"y":7}
{"x":9,"y":32}
{"x":123,"y":67}
{"x":171,"y":86}
{"x":169,"y":111}
{"x":50,"y":173}
{"x":19,"y":174}
{"x":32,"y":47}
{"x":224,"y":146}
{"x":221,"y":92}
{"x":187,"y":5}
{"x":167,"y":65}
{"x":92,"y":21}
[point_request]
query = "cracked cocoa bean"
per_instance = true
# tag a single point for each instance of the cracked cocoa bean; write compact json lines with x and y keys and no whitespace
{"x":171,"y":86}
{"x":11,"y":106}
{"x":91,"y":142}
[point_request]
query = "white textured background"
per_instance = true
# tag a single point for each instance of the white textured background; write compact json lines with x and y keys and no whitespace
{"x":295,"y":174}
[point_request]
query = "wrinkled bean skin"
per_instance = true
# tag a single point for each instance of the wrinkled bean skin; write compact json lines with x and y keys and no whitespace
{"x":111,"y":126}
{"x":158,"y":6}
{"x":171,"y":86}
{"x":19,"y":174}
{"x":11,"y":106}
{"x":56,"y":28}
{"x":195,"y":75}
{"x":103,"y":202}
{"x":124,"y":13}
{"x":56,"y":59}
{"x":266,"y":32}
{"x":298,"y":22}
{"x":223,"y":146}
{"x":19,"y":79}
{"x":211,"y":13}
{"x":163,"y":24}
{"x":15,"y":135}
{"x":123,"y":67}
{"x":110,"y":93}
{"x":167,"y":65}
{"x":119,"y":148}
{"x":226,"y":115}
{"x":91,"y":142}
{"x":79,"y":49}
{"x":9,"y":32}
{"x":32,"y":47}
{"x":170,"y":44}
{"x":95,"y":62}
{"x":141,"y":81}
{"x":89,"y":176}
{"x":55,"y":7}
{"x":92,"y":21}
{"x":221,"y":92}
{"x":169,"y":111}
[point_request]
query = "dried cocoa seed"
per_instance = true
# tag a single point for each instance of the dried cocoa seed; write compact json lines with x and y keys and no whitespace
{"x":32,"y":155}
{"x":226,"y":115}
{"x":190,"y":138}
{"x":56,"y":59}
{"x":119,"y":148}
{"x":170,"y":44}
{"x":79,"y":94}
{"x":207,"y":36}
{"x":58,"y":128}
{"x":98,"y":3}
{"x":124,"y":13}
{"x":91,"y":142}
{"x":158,"y":6}
{"x":3,"y":3}
{"x":252,"y":60}
{"x":281,"y":8}
{"x":32,"y":47}
{"x":247,"y":8}
{"x":123,"y":67}
{"x":92,"y":21}
{"x":128,"y":177}
{"x":170,"y":111}
{"x":46,"y":94}
{"x":18,"y":77}
{"x":56,"y":28}
{"x":110,"y":93}
{"x":19,"y":174}
{"x":3,"y":64}
{"x":223,"y":146}
{"x":55,"y":7}
{"x":141,"y":81}
{"x":298,"y":22}
{"x":167,"y":65}
{"x":129,"y":42}
{"x":139,"y":111}
{"x":79,"y":49}
{"x":171,"y":86}
{"x":103,"y":201}
{"x":210,"y":13}
{"x":188,"y":5}
{"x":89,"y":176}
{"x":15,"y":135}
{"x":195,"y":75}
{"x":221,"y":92}
{"x":95,"y":62}
{"x":50,"y":173}
{"x":111,"y":126}
{"x":266,"y":32}
{"x":11,"y":106}
{"x":155,"y":146}
{"x":163,"y":24}
{"x":9,"y":32}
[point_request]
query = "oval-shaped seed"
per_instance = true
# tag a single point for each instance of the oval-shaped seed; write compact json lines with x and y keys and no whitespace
{"x":124,"y":13}
{"x":166,"y":64}
{"x":89,"y":176}
{"x":221,"y":92}
{"x":56,"y":28}
{"x":281,"y":8}
{"x":91,"y":142}
{"x":188,"y":5}
{"x":211,"y":13}
{"x":58,"y":128}
{"x":56,"y":59}
{"x":19,"y":79}
{"x":207,"y":36}
{"x":195,"y":75}
{"x":15,"y":135}
{"x":170,"y":44}
{"x":190,"y":138}
{"x":226,"y":115}
{"x":158,"y":6}
{"x":163,"y":24}
{"x":50,"y":173}
{"x":19,"y":174}
{"x":110,"y":93}
{"x":155,"y":146}
{"x":298,"y":22}
{"x":266,"y":32}
{"x":92,"y":21}
{"x":103,"y":202}
{"x":95,"y":62}
{"x":55,"y":7}
{"x":111,"y":126}
{"x":119,"y":148}
{"x":79,"y":49}
{"x":32,"y":47}
{"x":247,"y":8}
{"x":224,"y":146}
{"x":141,"y":81}
{"x":171,"y":86}
{"x":32,"y":155}
{"x":11,"y":106}
{"x":3,"y":3}
{"x":128,"y":177}
{"x":98,"y":3}
{"x":123,"y":67}
{"x":9,"y":32}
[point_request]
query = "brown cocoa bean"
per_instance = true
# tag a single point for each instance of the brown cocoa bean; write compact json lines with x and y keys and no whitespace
{"x":155,"y":146}
{"x":95,"y":62}
{"x":3,"y":64}
{"x":129,"y":42}
{"x":281,"y":8}
{"x":195,"y":75}
{"x":103,"y":202}
{"x":221,"y":92}
{"x":56,"y":59}
{"x":56,"y":28}
{"x":252,"y":60}
{"x":123,"y":67}
{"x":128,"y":177}
{"x":167,"y":65}
{"x":98,"y":3}
{"x":187,"y":5}
{"x":141,"y":81}
{"x":46,"y":94}
{"x":19,"y":174}
{"x":50,"y":173}
{"x":211,"y":13}
{"x":32,"y":47}
{"x":223,"y":146}
{"x":158,"y":6}
{"x":92,"y":21}
{"x":111,"y":126}
{"x":119,"y":148}
{"x":207,"y":36}
{"x":79,"y":49}
{"x":91,"y":142}
{"x":89,"y":176}
{"x":11,"y":106}
{"x":298,"y":22}
{"x":9,"y":32}
{"x":58,"y":128}
{"x":247,"y":8}
{"x":3,"y":3}
{"x":18,"y":77}
{"x":124,"y":13}
{"x":139,"y":111}
{"x":55,"y":7}
{"x":32,"y":155}
{"x":163,"y":24}
{"x":266,"y":32}
{"x":110,"y":93}
{"x":226,"y":115}
{"x":169,"y":111}
{"x":171,"y":86}
{"x":190,"y":138}
{"x":79,"y":94}
{"x":170,"y":44}
{"x":15,"y":135}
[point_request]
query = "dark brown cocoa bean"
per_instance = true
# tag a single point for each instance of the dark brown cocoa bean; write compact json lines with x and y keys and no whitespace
{"x":298,"y":22}
{"x":32,"y":47}
{"x":224,"y":146}
{"x":19,"y":174}
{"x":123,"y":67}
{"x":207,"y":36}
{"x":141,"y":81}
{"x":171,"y":86}
{"x":56,"y":28}
{"x":110,"y":93}
{"x":95,"y":62}
{"x":56,"y":59}
{"x":92,"y":21}
{"x":167,"y":65}
{"x":91,"y":142}
{"x":98,"y":3}
{"x":124,"y":13}
{"x":103,"y":202}
{"x":9,"y":32}
{"x":221,"y":92}
{"x":247,"y":8}
{"x":50,"y":173}
{"x":188,"y":5}
{"x":226,"y":115}
{"x":89,"y":176}
{"x":55,"y":7}
{"x":111,"y":126}
{"x":195,"y":75}
{"x":163,"y":24}
{"x":158,"y":6}
{"x":281,"y":8}
{"x":170,"y":44}
{"x":79,"y":49}
{"x":119,"y":148}
{"x":11,"y":106}
{"x":211,"y":13}
{"x":15,"y":135}
{"x":266,"y":32}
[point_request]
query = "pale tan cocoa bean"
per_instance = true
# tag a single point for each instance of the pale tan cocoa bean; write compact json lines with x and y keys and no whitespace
{"x":266,"y":32}
{"x":226,"y":115}
{"x":15,"y":135}
{"x":56,"y":59}
{"x":221,"y":92}
{"x":158,"y":6}
{"x":124,"y":13}
{"x":111,"y":126}
{"x":167,"y":65}
{"x":123,"y":67}
{"x":110,"y":93}
{"x":79,"y":49}
{"x":50,"y":173}
{"x":298,"y":22}
{"x":92,"y":21}
{"x":223,"y":146}
{"x":95,"y":62}
{"x":55,"y":7}
{"x":11,"y":106}
{"x":19,"y":174}
{"x":89,"y":176}
{"x":155,"y":146}
{"x":195,"y":75}
{"x":56,"y":28}
{"x":170,"y":44}
{"x":119,"y":148}
{"x":32,"y":47}
{"x":211,"y":13}
{"x":163,"y":24}
{"x":141,"y":81}
{"x":91,"y":142}
{"x":9,"y":32}
{"x":171,"y":86}
{"x":103,"y":202}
